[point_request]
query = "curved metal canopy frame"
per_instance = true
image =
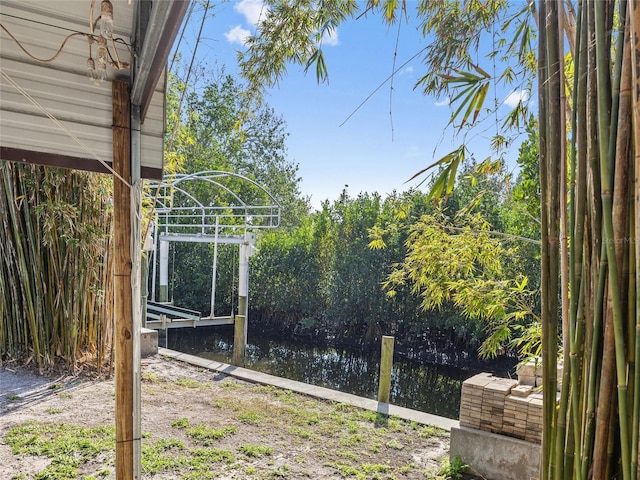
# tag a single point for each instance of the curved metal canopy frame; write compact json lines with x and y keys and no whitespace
{"x":182,"y":208}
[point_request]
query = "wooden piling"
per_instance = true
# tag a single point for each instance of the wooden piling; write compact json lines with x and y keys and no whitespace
{"x":239,"y":343}
{"x":386,"y":365}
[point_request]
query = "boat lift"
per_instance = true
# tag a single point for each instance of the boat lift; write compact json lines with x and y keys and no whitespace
{"x":223,"y":217}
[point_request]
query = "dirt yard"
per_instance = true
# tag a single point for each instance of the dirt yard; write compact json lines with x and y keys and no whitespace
{"x":199,"y":424}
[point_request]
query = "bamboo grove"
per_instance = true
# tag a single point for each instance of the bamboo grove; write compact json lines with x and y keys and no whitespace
{"x":590,"y":231}
{"x":55,"y":276}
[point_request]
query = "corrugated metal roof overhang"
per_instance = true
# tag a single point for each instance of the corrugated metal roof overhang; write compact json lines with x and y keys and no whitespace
{"x":61,"y":89}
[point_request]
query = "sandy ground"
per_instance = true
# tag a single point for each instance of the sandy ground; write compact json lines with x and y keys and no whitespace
{"x":259,"y":415}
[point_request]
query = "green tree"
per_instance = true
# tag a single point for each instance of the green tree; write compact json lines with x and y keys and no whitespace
{"x":288,"y":276}
{"x":355,"y":298}
{"x":521,"y":209}
{"x":213,"y":135}
{"x":208,"y":133}
{"x":459,"y":261}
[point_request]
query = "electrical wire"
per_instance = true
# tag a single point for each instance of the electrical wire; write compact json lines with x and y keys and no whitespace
{"x":393,"y":68}
{"x":380,"y":86}
{"x":37,"y":22}
{"x":26,"y":94}
{"x":45,"y":60}
{"x":186,"y":81}
{"x":115,"y":62}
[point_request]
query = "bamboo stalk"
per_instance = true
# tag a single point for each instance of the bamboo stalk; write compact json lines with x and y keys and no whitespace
{"x":607,"y":132}
{"x":635,"y":422}
{"x":22,"y":263}
{"x":567,"y":448}
{"x":548,"y":418}
{"x":51,"y":218}
{"x":558,"y":159}
{"x":578,"y":155}
{"x":552,"y":198}
{"x":625,"y":220}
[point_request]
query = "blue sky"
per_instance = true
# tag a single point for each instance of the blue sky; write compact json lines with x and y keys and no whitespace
{"x":374,"y":150}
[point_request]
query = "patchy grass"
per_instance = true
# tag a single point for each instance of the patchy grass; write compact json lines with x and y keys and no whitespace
{"x":68,"y":446}
{"x":250,"y":418}
{"x":190,"y":383}
{"x":180,"y":423}
{"x":196,"y":429}
{"x":429,"y":431}
{"x":150,"y":377}
{"x":255,"y":451}
{"x":206,"y":435}
{"x":53,"y":410}
{"x":164,"y":455}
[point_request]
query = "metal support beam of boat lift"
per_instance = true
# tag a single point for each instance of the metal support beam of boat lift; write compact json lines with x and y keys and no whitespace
{"x":179,"y":237}
{"x":164,"y":271}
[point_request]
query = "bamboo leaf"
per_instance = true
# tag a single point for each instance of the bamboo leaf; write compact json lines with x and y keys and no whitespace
{"x":446,"y":159}
{"x":472,"y":92}
{"x":317,"y":58}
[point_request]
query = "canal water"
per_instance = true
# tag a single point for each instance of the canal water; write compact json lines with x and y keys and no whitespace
{"x":428,"y":387}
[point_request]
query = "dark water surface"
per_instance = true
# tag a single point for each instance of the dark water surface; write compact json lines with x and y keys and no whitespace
{"x":431,"y":388}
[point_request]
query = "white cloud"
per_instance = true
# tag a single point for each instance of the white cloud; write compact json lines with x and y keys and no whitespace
{"x":251,"y":9}
{"x":443,"y":103}
{"x":515,"y":97}
{"x":237,"y":35}
{"x":407,"y":71}
{"x":330,"y":39}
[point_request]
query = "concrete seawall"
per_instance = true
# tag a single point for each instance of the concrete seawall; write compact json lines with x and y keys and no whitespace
{"x":312,"y":390}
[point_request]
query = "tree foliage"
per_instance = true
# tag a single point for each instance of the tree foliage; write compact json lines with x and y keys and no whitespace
{"x":291,"y":32}
{"x":458,"y":260}
{"x":208,"y":132}
{"x":332,"y":271}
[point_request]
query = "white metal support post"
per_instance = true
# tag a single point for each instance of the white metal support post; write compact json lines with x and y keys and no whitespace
{"x":247,"y":249}
{"x":164,"y":271}
{"x":214,"y":270}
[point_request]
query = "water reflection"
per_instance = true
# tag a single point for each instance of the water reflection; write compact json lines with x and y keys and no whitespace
{"x":429,"y":388}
